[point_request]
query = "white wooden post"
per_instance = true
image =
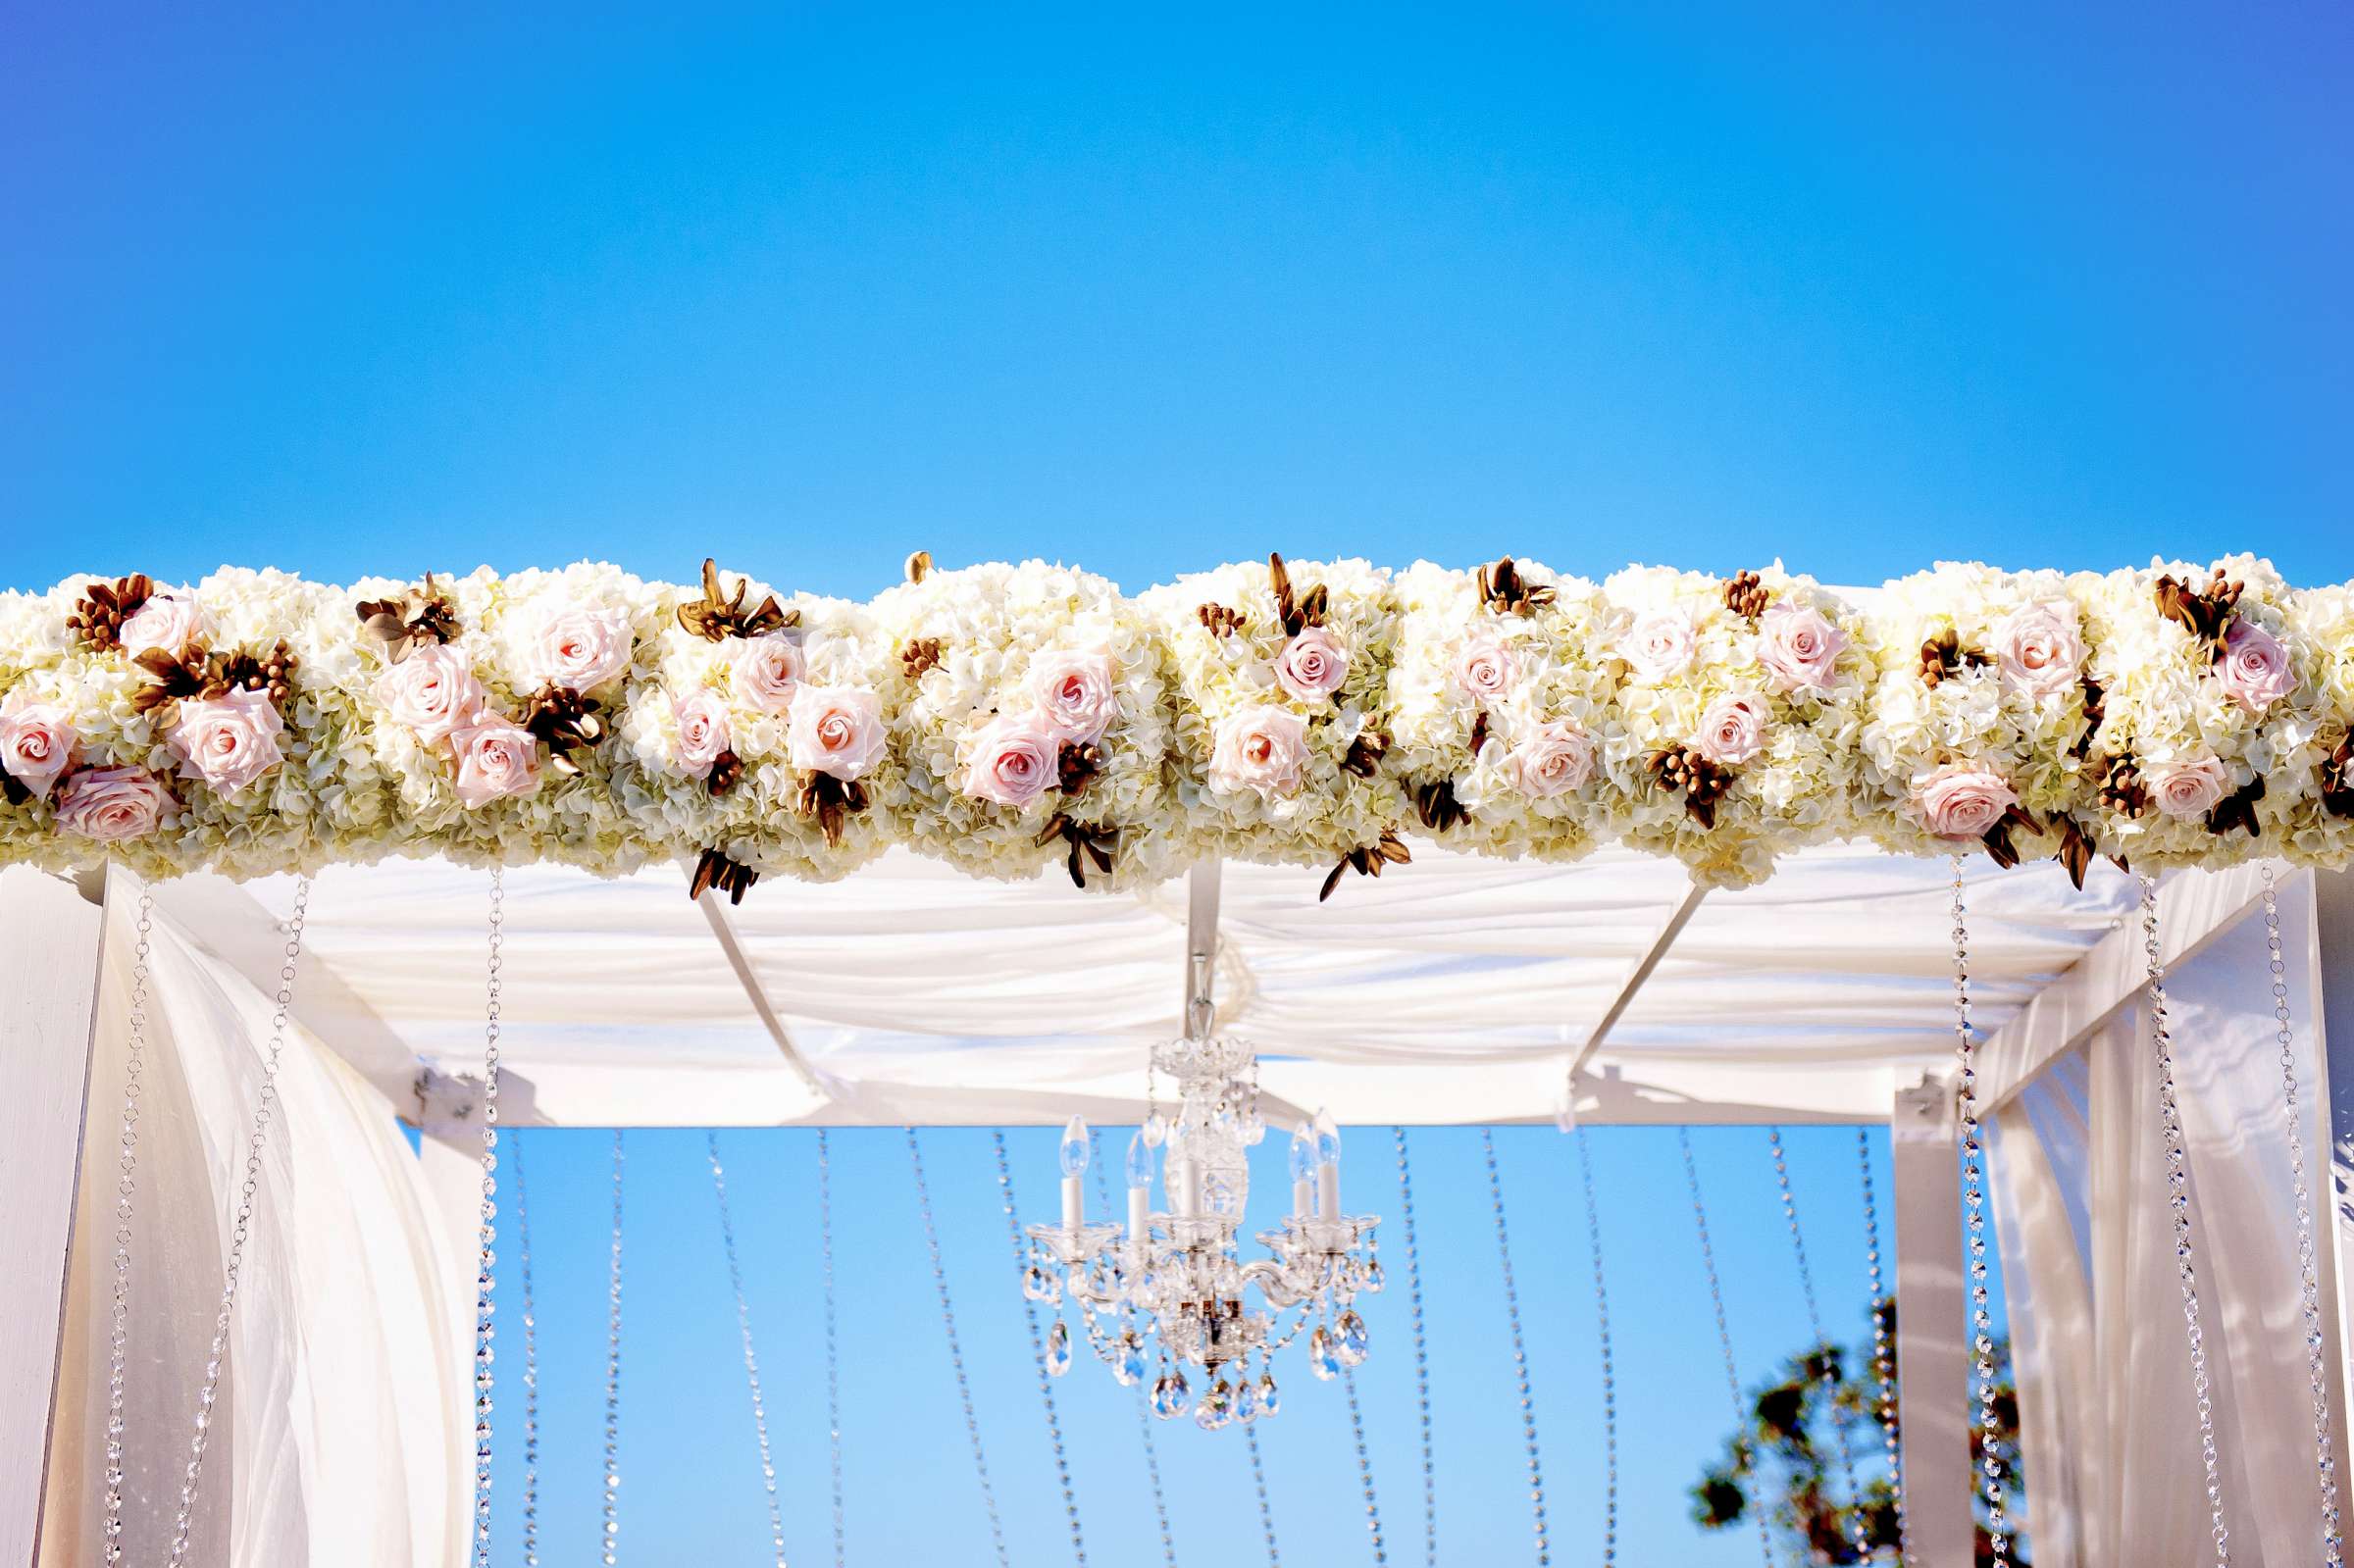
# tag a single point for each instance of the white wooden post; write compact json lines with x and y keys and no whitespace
{"x":1931,"y":1327}
{"x":49,"y":954}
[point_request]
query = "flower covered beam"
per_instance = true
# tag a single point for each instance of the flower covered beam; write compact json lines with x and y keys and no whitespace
{"x":1014,"y":720}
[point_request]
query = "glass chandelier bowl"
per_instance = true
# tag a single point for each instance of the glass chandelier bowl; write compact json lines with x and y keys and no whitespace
{"x":1170,"y":1295}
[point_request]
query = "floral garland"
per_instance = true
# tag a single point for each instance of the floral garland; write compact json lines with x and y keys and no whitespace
{"x":1012,"y":719}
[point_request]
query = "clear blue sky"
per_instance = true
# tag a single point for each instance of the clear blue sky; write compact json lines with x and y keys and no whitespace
{"x":808,"y":289}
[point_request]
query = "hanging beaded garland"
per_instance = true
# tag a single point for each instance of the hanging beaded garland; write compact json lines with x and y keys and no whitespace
{"x":752,"y":1360}
{"x":825,"y":1243}
{"x":1052,"y":1353}
{"x":1974,"y":1196}
{"x":125,"y":1189}
{"x":530,"y":1362}
{"x":1365,"y":1467}
{"x":2178,"y":1189}
{"x":611,"y":1519}
{"x":1609,"y":1383}
{"x":241,"y":1225}
{"x":486,"y":1277}
{"x":948,"y":1320}
{"x":1883,"y":1350}
{"x":1511,"y":1308}
{"x":1144,"y":1409}
{"x":1725,"y":1333}
{"x":1266,"y":1511}
{"x":1858,"y":1533}
{"x":1413,"y":1287}
{"x":2308,"y":1258}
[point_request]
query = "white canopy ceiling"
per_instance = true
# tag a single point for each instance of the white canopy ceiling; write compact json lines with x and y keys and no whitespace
{"x":1455,"y":989}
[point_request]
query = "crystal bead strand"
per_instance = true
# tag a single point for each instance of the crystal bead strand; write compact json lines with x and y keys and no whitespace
{"x":1609,"y":1383}
{"x":1038,"y":1350}
{"x":1973,"y":1194}
{"x":241,"y":1225}
{"x":1266,"y":1511}
{"x":1413,"y":1291}
{"x":751,"y":1361}
{"x":1725,"y":1333}
{"x":947,"y":1319}
{"x":1365,"y":1466}
{"x":530,"y":1363}
{"x":1858,"y":1534}
{"x":825,"y":1241}
{"x":485,"y":1273}
{"x":2308,"y":1273}
{"x":125,"y":1188}
{"x":1511,"y":1307}
{"x":2177,"y":1182}
{"x":612,"y":1521}
{"x":1883,"y":1356}
{"x":1144,"y":1408}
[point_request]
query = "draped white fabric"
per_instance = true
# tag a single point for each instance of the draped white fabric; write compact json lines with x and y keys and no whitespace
{"x":340,"y":1431}
{"x":2109,"y":1423}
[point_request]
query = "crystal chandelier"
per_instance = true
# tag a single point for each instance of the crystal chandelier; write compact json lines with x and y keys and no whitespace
{"x":1165,"y":1295}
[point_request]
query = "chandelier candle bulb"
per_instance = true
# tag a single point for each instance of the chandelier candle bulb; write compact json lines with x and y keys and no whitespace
{"x":1074,"y":1156}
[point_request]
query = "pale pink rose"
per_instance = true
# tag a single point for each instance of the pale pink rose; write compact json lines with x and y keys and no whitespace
{"x":765,"y":670}
{"x":166,"y":621}
{"x":2040,"y":649}
{"x":496,"y":758}
{"x":702,"y":720}
{"x":1732,"y":731}
{"x":112,"y":804}
{"x":2187,"y":790}
{"x":433,"y":692}
{"x":835,"y":730}
{"x":1799,"y":647}
{"x":1485,"y":670}
{"x":1074,"y":694}
{"x":228,"y":741}
{"x":1014,"y":761}
{"x":37,"y":744}
{"x":1260,"y":749}
{"x":1960,"y":801}
{"x":2255,"y":668}
{"x":1311,"y":666}
{"x":580,"y":647}
{"x":1557,"y":759}
{"x":1661,"y":643}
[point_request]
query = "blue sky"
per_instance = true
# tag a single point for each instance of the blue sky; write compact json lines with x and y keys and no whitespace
{"x":808,"y":288}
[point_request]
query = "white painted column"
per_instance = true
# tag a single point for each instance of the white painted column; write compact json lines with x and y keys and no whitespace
{"x":1932,"y":1356}
{"x":449,"y":1154}
{"x":49,"y":956}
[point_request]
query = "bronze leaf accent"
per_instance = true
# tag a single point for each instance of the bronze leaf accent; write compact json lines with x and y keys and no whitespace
{"x":829,"y":801}
{"x":1943,"y":656}
{"x":726,"y":772}
{"x":13,"y":789}
{"x":2122,"y":789}
{"x":1367,"y":861}
{"x":1679,"y":769}
{"x":566,"y":722}
{"x":1502,"y":590}
{"x":1221,"y":621}
{"x":1746,"y":595}
{"x":715,"y":870}
{"x":2075,"y":848}
{"x":2337,"y":780}
{"x":1083,"y":842}
{"x":1076,"y":766}
{"x":1300,"y":611}
{"x":2239,"y":810}
{"x":919,"y":655}
{"x":1479,"y":733}
{"x":416,"y":618}
{"x":98,"y":615}
{"x":2205,"y":613}
{"x":1998,"y":837}
{"x":1364,"y":754}
{"x":1435,"y":803}
{"x":717,"y":616}
{"x":918,"y":565}
{"x":2096,"y":709}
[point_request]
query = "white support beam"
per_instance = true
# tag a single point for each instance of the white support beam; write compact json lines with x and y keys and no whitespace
{"x":50,"y":955}
{"x":2195,"y":907}
{"x":1630,"y":987}
{"x":715,"y":910}
{"x":1931,"y":1327}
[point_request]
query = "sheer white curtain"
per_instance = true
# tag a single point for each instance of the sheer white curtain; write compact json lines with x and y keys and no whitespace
{"x":2109,"y":1424}
{"x":341,"y":1437}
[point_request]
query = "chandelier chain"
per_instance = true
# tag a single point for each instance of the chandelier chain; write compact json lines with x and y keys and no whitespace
{"x":751,"y":1361}
{"x":1414,"y":1290}
{"x":2177,"y":1184}
{"x":1609,"y":1381}
{"x":1858,"y":1533}
{"x":1725,"y":1333}
{"x":824,"y":1243}
{"x":530,"y":1362}
{"x":1974,"y":1192}
{"x":1144,"y":1408}
{"x":1883,"y":1350}
{"x":1365,"y":1467}
{"x":947,"y":1319}
{"x":1511,"y":1308}
{"x":1038,"y":1350}
{"x":125,"y":1189}
{"x":610,"y":1509}
{"x":265,"y":1112}
{"x":2308,"y":1270}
